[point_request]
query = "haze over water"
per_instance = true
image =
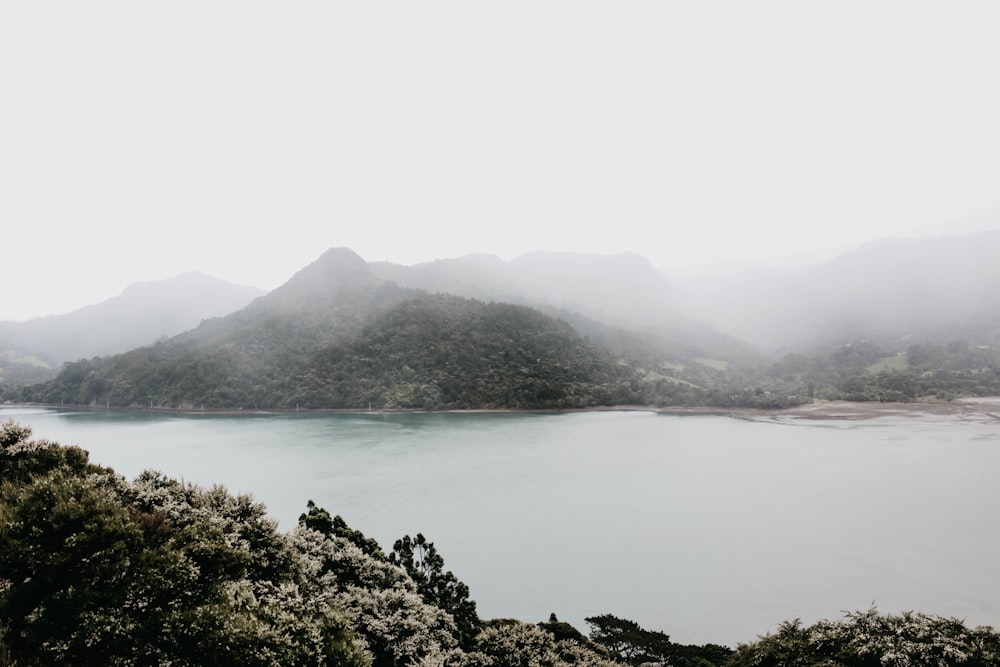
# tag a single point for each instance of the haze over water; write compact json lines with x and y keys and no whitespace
{"x":708,"y":528}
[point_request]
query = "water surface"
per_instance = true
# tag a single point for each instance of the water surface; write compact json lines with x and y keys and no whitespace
{"x":711,"y":529}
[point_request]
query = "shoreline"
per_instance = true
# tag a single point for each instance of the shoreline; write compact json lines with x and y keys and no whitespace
{"x":978,"y":407}
{"x":330,"y":411}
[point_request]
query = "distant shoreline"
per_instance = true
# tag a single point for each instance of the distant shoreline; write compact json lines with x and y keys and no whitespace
{"x":987,"y":408}
{"x":982,"y":408}
{"x":334,"y":411}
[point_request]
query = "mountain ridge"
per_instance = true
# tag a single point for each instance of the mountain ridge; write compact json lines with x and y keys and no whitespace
{"x":337,"y":336}
{"x":927,"y":289}
{"x":140,"y":314}
{"x":889,"y":319}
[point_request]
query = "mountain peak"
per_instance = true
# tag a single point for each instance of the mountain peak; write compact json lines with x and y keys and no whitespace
{"x":336,"y":271}
{"x":335,"y":267}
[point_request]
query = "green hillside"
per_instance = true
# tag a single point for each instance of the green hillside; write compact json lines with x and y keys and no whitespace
{"x":338,"y":337}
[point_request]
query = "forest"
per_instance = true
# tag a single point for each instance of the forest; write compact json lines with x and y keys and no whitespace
{"x":97,"y":569}
{"x":446,"y":353}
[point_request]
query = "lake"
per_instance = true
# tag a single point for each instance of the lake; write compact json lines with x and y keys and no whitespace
{"x":711,"y":529}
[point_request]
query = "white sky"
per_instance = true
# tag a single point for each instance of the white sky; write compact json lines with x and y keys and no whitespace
{"x":141,"y":140}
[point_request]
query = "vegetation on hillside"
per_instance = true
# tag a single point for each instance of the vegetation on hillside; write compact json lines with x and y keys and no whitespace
{"x":428,"y":352}
{"x":33,"y":351}
{"x":866,"y":638}
{"x":866,"y":371}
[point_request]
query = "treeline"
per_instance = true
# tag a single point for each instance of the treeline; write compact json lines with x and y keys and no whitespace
{"x":95,"y":569}
{"x":432,"y":352}
{"x":866,"y":638}
{"x":867,"y":371}
{"x":422,"y":355}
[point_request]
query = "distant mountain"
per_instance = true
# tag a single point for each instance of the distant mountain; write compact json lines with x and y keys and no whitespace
{"x":142,"y":314}
{"x":622,"y":289}
{"x":620,"y":301}
{"x":895,"y":291}
{"x":338,"y":336}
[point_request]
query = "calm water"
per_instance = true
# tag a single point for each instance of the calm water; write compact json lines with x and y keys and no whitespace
{"x":708,"y":528}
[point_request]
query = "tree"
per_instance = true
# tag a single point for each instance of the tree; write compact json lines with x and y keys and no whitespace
{"x":94,"y":570}
{"x":318,"y":519}
{"x":68,"y":550}
{"x":420,"y":559}
{"x":628,"y":641}
{"x":870,"y":638}
{"x":21,"y":458}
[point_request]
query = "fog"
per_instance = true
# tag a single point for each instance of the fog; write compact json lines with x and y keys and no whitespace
{"x":143,"y":142}
{"x":930,"y":289}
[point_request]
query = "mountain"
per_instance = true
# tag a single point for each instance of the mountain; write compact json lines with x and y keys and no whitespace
{"x":620,"y":301}
{"x":143,"y":313}
{"x":894,"y":291}
{"x":338,"y":336}
{"x":893,"y":320}
{"x":622,"y":289}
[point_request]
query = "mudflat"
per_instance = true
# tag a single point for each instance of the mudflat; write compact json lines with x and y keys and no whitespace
{"x":978,"y":409}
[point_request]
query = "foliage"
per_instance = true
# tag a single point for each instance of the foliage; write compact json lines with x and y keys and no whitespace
{"x":421,"y":561}
{"x":318,"y":519}
{"x":627,"y":641}
{"x":94,"y":570}
{"x":22,"y":459}
{"x":870,"y":638}
{"x":380,"y":600}
{"x":517,"y":644}
{"x":421,"y":352}
{"x":858,"y":371}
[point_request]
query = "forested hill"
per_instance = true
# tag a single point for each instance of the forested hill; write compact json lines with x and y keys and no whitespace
{"x":337,"y":336}
{"x":143,"y":313}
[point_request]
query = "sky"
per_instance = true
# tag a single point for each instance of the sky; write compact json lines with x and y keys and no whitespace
{"x":139,"y":141}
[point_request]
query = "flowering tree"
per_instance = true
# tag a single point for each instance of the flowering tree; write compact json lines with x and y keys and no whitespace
{"x":870,"y":638}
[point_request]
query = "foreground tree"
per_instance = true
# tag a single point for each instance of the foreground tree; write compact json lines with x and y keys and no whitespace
{"x":94,"y":570}
{"x":628,"y":642}
{"x":511,"y":643}
{"x":420,"y":559}
{"x":869,"y":638}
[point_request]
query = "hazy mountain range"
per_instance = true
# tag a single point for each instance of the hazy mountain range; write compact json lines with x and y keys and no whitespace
{"x":338,"y":336}
{"x":898,"y":291}
{"x":634,"y":328}
{"x":143,"y":313}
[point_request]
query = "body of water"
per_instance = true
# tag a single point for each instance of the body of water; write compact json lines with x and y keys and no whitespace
{"x":710,"y":529}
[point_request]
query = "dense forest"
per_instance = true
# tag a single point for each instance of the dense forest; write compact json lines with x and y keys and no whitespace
{"x":440,"y":352}
{"x":96,"y":569}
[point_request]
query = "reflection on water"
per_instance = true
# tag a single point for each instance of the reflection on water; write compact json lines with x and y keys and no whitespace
{"x":709,"y":528}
